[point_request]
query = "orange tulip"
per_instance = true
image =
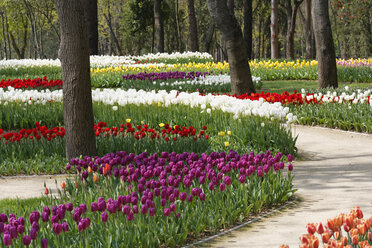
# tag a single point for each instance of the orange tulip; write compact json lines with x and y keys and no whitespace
{"x":63,"y":184}
{"x":46,"y":191}
{"x":304,"y":239}
{"x":350,"y":221}
{"x":311,"y":228}
{"x":331,"y":224}
{"x":320,"y":228}
{"x":314,"y":243}
{"x":89,"y":169}
{"x":354,"y":231}
{"x":355,"y":239}
{"x":344,"y":240}
{"x":346,"y":228}
{"x":108,"y":167}
{"x":104,"y":171}
{"x":95,"y":178}
{"x":325,"y":237}
{"x":362,"y":229}
{"x":337,"y":235}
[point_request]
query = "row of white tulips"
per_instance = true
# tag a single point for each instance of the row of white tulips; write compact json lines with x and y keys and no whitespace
{"x":119,"y":97}
{"x":104,"y":61}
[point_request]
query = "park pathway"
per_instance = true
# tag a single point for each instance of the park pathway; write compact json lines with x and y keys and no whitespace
{"x":334,"y":175}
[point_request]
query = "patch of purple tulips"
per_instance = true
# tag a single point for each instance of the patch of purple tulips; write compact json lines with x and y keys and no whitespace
{"x":153,"y":76}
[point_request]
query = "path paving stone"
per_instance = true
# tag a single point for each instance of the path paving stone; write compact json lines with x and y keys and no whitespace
{"x":334,"y":176}
{"x":28,"y":186}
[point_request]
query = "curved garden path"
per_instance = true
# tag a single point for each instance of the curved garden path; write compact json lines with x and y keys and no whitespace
{"x":333,"y":175}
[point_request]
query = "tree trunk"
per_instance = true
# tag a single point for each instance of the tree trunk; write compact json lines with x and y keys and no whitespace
{"x":77,"y":94}
{"x":159,"y":27}
{"x":308,"y":31}
{"x":91,"y":18}
{"x":208,"y":38}
{"x":327,"y":70}
{"x":194,"y":43}
{"x":112,"y":32}
{"x":247,"y":31}
{"x":291,"y":25}
{"x":4,"y":36}
{"x":231,"y":6}
{"x":274,"y":29}
{"x":241,"y":79}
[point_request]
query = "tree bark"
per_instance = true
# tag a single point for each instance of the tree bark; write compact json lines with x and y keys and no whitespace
{"x":91,"y":18}
{"x":247,"y":31}
{"x":77,"y":94}
{"x":327,"y":70}
{"x":241,"y":79}
{"x":308,"y":30}
{"x":159,"y":27}
{"x":274,"y":29}
{"x":231,"y":6}
{"x":194,"y":43}
{"x":208,"y":38}
{"x":291,"y":25}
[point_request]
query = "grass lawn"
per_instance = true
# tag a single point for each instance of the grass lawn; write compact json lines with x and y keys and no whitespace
{"x":279,"y":86}
{"x":19,"y":206}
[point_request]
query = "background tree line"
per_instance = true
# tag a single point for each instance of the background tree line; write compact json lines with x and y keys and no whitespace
{"x":279,"y":28}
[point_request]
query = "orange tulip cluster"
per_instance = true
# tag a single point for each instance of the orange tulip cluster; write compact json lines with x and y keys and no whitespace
{"x":343,"y":231}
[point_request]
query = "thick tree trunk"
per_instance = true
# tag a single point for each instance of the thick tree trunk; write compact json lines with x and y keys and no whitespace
{"x":274,"y":29}
{"x":308,"y":30}
{"x":291,"y":25}
{"x":241,"y":79}
{"x":91,"y":18}
{"x":247,"y":30}
{"x":194,"y":43}
{"x":77,"y":94}
{"x":159,"y":27}
{"x":327,"y":70}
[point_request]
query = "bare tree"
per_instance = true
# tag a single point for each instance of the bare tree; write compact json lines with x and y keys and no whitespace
{"x":274,"y":29}
{"x":193,"y":29}
{"x":77,"y":94}
{"x":247,"y":30}
{"x":291,"y":24}
{"x":241,"y":79}
{"x":308,"y":31}
{"x":325,"y":50}
{"x":159,"y":27}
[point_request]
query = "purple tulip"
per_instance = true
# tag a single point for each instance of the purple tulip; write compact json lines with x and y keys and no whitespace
{"x":65,"y":227}
{"x":33,"y":234}
{"x":44,"y":243}
{"x":104,"y":217}
{"x":222,"y":187}
{"x":7,"y":239}
{"x":26,"y":240}
{"x":151,"y":211}
{"x":20,"y":229}
{"x":290,"y":167}
{"x":167,"y":211}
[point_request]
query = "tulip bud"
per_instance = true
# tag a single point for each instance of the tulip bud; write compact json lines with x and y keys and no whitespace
{"x":46,"y":191}
{"x":63,"y":184}
{"x":325,"y":237}
{"x":320,"y":228}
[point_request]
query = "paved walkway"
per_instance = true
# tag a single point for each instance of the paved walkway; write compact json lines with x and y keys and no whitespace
{"x":28,"y":186}
{"x":334,"y":175}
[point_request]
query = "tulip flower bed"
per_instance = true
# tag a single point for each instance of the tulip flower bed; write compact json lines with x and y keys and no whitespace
{"x":151,"y":200}
{"x":48,"y":142}
{"x":345,"y":230}
{"x":38,"y":83}
{"x":224,"y":133}
{"x":14,"y":103}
